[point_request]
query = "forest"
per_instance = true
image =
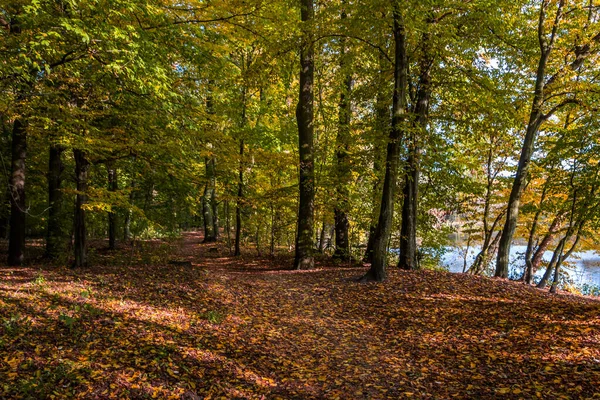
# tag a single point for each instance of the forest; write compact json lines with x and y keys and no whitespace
{"x":260,"y":199}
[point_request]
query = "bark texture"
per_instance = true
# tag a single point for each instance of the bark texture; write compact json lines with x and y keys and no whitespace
{"x":18,"y":206}
{"x":304,"y":115}
{"x":82,"y":166}
{"x":113,"y":186}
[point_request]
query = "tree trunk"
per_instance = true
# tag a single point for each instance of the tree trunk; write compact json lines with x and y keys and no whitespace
{"x":5,"y":214}
{"x":81,"y":177}
{"x":343,"y":169}
{"x":481,"y":260}
{"x":322,"y":236}
{"x":207,"y":203}
{"x":240,"y":201}
{"x":304,"y":115}
{"x":113,"y":186}
{"x":536,"y":117}
{"x":545,"y":243}
{"x":56,"y":236}
{"x":227,"y":224}
{"x":555,"y":256}
{"x":528,"y":274}
{"x":18,"y":207}
{"x":408,"y":232}
{"x":215,"y":207}
{"x":272,"y":246}
{"x":562,"y":259}
{"x":127,"y":223}
{"x":377,"y":272}
{"x":382,"y":123}
{"x":257,"y":239}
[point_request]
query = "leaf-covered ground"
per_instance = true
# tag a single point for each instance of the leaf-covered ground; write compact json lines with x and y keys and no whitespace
{"x":135,"y":326}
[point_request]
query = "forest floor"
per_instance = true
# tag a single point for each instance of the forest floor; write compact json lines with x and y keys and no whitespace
{"x":135,"y":326}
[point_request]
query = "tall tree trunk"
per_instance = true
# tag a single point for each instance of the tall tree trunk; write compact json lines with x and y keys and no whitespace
{"x":555,"y":256}
{"x":536,"y":260}
{"x":536,"y":118}
{"x":257,"y":239}
{"x":272,"y":245}
{"x":343,"y":170}
{"x":408,"y":232}
{"x":322,"y":236}
{"x":227,"y":224}
{"x":56,"y":237}
{"x":127,"y":223}
{"x":215,"y":207}
{"x":18,"y":207}
{"x":5,"y":214}
{"x":377,"y":272}
{"x":304,"y":115}
{"x":113,"y":186}
{"x":562,"y":259}
{"x":81,"y":177}
{"x":240,"y":201}
{"x":207,"y":203}
{"x":528,"y":273}
{"x":382,"y":123}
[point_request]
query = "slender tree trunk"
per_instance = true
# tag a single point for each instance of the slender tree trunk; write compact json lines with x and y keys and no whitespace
{"x":113,"y":186}
{"x":5,"y":214}
{"x":304,"y":114}
{"x":207,"y":203}
{"x":528,"y":274}
{"x":227,"y":224}
{"x":408,"y":232}
{"x":536,"y":118}
{"x":377,"y":272}
{"x":382,"y":124}
{"x":466,"y":253}
{"x":555,"y":256}
{"x":18,"y":207}
{"x":81,"y":177}
{"x":322,"y":236}
{"x":240,"y":201}
{"x":343,"y":170}
{"x":215,"y":206}
{"x":536,"y":260}
{"x":272,"y":244}
{"x":257,"y":239}
{"x":127,"y":223}
{"x":562,"y":259}
{"x":481,"y":260}
{"x":56,"y":237}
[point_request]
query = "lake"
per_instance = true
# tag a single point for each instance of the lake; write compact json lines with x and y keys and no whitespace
{"x":583,"y":267}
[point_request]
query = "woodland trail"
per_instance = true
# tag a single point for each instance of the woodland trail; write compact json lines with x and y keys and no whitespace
{"x":249,"y":328}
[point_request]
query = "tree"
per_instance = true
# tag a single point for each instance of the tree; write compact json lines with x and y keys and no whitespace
{"x":548,"y":93}
{"x":377,"y":272}
{"x":304,"y":115}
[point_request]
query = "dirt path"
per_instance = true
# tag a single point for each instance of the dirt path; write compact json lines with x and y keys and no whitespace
{"x":249,"y":328}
